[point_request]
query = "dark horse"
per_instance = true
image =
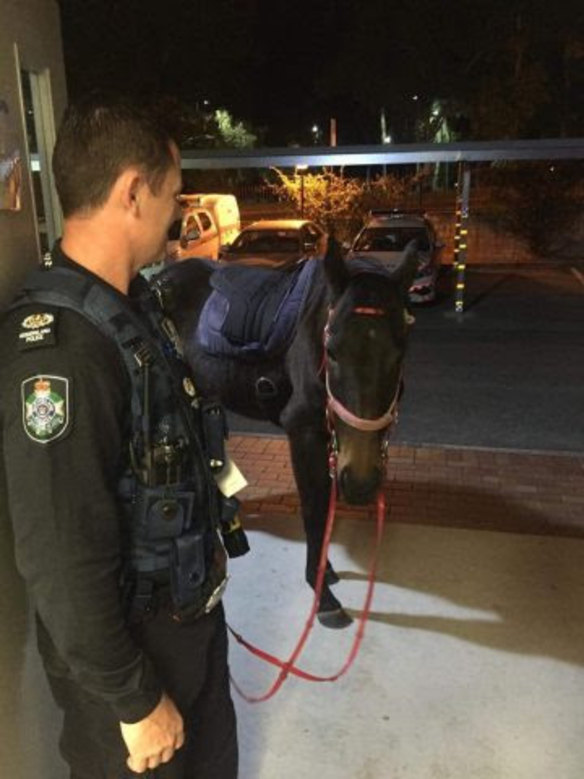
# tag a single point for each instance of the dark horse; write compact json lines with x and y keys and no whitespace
{"x":345,"y":353}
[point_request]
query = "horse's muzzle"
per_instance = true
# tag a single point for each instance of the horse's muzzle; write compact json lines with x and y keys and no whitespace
{"x":358,"y":491}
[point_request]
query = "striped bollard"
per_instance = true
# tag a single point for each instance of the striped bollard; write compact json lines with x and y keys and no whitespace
{"x":461,"y":234}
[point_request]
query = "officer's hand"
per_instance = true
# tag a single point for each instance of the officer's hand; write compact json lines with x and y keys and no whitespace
{"x":155,"y":739}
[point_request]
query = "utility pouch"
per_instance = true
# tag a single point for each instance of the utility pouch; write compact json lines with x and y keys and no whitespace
{"x":187,"y":569}
{"x":203,"y":599}
{"x":162,"y":514}
{"x":215,"y":431}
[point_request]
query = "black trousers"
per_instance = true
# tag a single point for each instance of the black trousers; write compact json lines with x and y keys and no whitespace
{"x":191,"y":660}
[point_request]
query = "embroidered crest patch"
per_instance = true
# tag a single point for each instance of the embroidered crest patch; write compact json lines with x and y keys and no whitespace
{"x":45,"y":407}
{"x":36,"y":321}
{"x":37,"y":330}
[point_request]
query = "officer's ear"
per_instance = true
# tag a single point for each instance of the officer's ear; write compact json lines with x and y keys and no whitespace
{"x":128,"y":189}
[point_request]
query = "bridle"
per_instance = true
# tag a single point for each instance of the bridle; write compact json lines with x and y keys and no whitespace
{"x":334,"y":405}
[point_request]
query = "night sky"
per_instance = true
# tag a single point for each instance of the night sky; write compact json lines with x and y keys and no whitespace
{"x":500,"y":67}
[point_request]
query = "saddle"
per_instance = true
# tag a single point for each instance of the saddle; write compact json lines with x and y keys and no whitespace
{"x":253,"y":312}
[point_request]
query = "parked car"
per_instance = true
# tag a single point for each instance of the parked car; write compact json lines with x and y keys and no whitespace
{"x":276,"y":242}
{"x":385,"y":236}
{"x":207,"y":222}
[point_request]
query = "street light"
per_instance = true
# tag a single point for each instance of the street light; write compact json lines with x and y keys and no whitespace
{"x":301,"y":170}
{"x":386,"y":139}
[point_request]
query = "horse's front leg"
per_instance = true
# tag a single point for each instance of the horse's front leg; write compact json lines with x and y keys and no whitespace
{"x":309,"y":451}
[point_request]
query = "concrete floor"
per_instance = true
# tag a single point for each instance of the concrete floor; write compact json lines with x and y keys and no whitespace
{"x":471,"y":667}
{"x":29,"y":721}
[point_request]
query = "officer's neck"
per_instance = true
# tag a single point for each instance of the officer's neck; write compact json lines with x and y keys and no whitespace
{"x":90,"y":244}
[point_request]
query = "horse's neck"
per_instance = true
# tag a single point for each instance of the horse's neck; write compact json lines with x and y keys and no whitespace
{"x":190,"y":289}
{"x":319,"y":300}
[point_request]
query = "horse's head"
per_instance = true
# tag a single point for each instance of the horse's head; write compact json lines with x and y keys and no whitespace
{"x":365,"y":341}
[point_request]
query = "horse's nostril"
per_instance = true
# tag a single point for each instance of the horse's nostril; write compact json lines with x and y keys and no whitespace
{"x":359,"y":490}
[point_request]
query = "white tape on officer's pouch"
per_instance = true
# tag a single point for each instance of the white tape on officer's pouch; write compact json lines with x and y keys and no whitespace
{"x":230,"y":479}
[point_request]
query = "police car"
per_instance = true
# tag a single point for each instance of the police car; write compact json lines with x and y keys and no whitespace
{"x":385,"y":236}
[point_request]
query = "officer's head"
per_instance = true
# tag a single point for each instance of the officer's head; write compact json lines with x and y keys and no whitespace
{"x":117,"y":158}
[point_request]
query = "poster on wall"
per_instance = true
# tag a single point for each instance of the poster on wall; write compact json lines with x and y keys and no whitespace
{"x":10,"y":161}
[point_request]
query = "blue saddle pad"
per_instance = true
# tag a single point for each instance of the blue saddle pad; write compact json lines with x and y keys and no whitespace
{"x":252,"y":312}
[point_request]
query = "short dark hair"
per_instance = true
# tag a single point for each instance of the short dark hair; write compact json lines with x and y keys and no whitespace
{"x":99,"y":138}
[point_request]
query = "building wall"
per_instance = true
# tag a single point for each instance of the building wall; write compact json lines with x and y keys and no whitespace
{"x":29,"y":721}
{"x":34,"y":26}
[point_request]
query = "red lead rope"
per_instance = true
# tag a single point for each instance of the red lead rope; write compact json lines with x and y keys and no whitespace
{"x":288,"y":667}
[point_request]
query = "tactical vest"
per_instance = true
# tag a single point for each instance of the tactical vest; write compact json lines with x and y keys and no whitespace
{"x":169,"y":496}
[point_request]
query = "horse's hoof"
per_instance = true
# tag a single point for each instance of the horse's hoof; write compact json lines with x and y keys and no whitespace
{"x":331,"y":577}
{"x":336,"y":619}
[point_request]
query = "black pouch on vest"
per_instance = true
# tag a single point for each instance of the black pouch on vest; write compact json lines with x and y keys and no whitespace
{"x":211,"y":589}
{"x":215,"y":429}
{"x":187,"y":569}
{"x":163,"y":514}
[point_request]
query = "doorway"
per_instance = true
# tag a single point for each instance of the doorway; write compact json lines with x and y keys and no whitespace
{"x":37,"y":106}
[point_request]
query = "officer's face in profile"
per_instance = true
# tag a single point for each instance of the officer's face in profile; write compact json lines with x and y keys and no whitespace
{"x":158,"y":211}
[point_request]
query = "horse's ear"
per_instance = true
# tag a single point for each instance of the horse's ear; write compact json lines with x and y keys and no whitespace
{"x":335,"y":268}
{"x":406,"y":271}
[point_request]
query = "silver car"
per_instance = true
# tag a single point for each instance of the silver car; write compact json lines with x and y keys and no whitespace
{"x":385,"y":236}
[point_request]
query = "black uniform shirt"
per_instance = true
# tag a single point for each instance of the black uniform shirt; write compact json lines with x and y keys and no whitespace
{"x":62,"y":467}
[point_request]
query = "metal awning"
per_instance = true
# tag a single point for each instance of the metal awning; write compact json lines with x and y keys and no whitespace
{"x":394,"y":154}
{"x":385,"y":154}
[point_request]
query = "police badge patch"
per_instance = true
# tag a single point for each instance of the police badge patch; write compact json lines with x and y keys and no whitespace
{"x":45,"y":407}
{"x":36,"y":321}
{"x":37,"y":330}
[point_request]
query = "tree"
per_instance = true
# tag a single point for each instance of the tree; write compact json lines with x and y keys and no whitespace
{"x":337,"y":202}
{"x":512,"y":68}
{"x":194,"y":126}
{"x":537,"y":201}
{"x":232,"y":133}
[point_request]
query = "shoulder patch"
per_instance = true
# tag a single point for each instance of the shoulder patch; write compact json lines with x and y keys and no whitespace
{"x":37,"y":330}
{"x":45,"y":407}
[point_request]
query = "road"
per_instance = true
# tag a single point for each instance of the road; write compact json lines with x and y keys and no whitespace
{"x":508,"y":374}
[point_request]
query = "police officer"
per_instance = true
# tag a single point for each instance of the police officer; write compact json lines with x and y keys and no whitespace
{"x":112,"y":499}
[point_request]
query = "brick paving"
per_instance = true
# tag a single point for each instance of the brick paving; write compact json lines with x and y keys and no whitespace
{"x":456,"y":487}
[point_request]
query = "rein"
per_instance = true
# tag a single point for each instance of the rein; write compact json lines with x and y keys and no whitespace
{"x":289,"y":667}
